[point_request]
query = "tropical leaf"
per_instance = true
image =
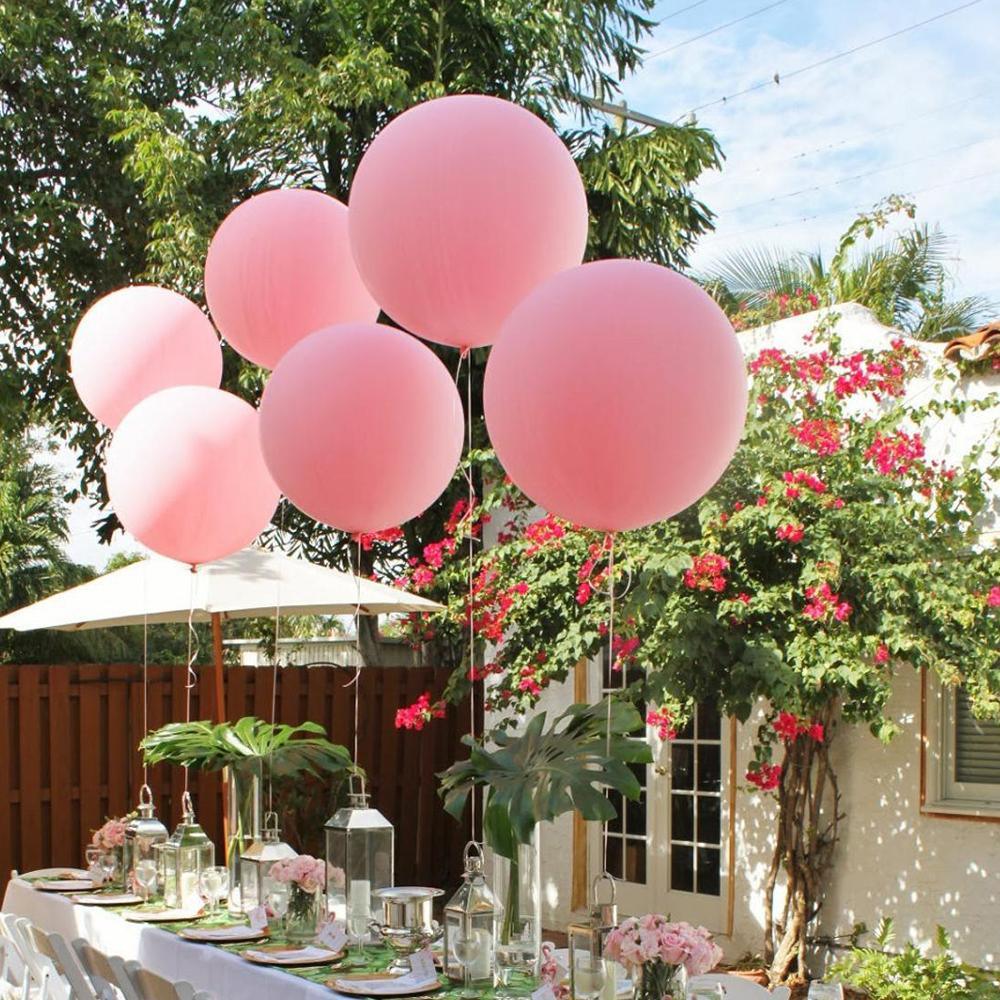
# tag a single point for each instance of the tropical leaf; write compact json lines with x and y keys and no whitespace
{"x":542,"y":773}
{"x":290,"y":750}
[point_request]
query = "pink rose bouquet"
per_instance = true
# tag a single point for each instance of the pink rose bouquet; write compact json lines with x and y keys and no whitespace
{"x":110,"y":836}
{"x":654,"y":950}
{"x":304,"y":871}
{"x":305,"y":877}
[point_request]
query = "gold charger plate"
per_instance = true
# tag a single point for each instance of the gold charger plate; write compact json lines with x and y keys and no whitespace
{"x":106,"y":898}
{"x":65,"y":885}
{"x":268,"y":955}
{"x":343,"y":984}
{"x":174,"y":915}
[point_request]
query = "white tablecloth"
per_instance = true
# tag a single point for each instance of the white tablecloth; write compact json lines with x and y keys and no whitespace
{"x":205,"y":966}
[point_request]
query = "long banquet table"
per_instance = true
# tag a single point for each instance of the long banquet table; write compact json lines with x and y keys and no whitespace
{"x":220,"y":970}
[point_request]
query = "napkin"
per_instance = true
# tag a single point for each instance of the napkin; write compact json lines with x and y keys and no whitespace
{"x":225,"y":933}
{"x":307,"y":953}
{"x":421,"y":973}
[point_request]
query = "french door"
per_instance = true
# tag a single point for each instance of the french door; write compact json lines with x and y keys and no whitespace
{"x":669,"y":849}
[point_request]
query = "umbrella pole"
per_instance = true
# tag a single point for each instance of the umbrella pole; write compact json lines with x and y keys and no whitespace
{"x":219,"y":683}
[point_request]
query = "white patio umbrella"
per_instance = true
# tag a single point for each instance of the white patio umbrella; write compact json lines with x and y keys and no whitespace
{"x":250,"y":583}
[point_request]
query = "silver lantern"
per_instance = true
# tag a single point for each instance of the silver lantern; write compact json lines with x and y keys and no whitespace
{"x":142,"y":832}
{"x":184,"y":857}
{"x":256,"y":862}
{"x":359,"y":856}
{"x":587,"y":937}
{"x":471,"y":922}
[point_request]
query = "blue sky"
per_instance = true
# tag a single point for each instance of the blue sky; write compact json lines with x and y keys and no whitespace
{"x":888,"y":112}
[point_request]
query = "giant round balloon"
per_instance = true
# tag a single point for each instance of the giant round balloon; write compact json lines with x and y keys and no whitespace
{"x":136,"y":341}
{"x":616,"y":394}
{"x":361,"y":426}
{"x":280,"y":267}
{"x":458,"y":209}
{"x":186,"y":476}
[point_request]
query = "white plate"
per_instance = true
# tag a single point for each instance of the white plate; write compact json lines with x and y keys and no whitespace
{"x":65,"y":885}
{"x":55,"y":873}
{"x":358,"y":985}
{"x":222,"y":935}
{"x":164,"y":916}
{"x":106,"y":899}
{"x":309,"y":954}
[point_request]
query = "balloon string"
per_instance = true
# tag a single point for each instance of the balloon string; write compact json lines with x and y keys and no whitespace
{"x":466,"y":358}
{"x":192,"y":676}
{"x":609,"y":542}
{"x":355,"y":681}
{"x":274,"y":668}
{"x":145,"y":669}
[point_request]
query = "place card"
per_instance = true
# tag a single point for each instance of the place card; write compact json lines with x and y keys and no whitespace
{"x":421,"y":967}
{"x":258,"y":918}
{"x":544,"y":992}
{"x":332,"y":935}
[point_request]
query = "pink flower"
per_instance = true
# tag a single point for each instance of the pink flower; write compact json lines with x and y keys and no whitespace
{"x":882,"y":653}
{"x":816,"y":732}
{"x":583,"y":593}
{"x":993,"y":597}
{"x":766,"y":777}
{"x":792,"y":533}
{"x":707,"y":572}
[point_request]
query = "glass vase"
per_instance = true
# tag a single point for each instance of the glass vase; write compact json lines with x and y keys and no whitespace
{"x":517,"y":884}
{"x":305,"y":910}
{"x":659,"y":981}
{"x":243,"y":783}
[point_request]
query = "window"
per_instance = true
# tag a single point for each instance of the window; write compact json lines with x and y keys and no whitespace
{"x":963,"y":761}
{"x":696,"y":805}
{"x":971,"y":753}
{"x":625,"y":836}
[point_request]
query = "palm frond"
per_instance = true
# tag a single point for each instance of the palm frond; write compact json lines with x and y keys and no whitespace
{"x":755,"y":274}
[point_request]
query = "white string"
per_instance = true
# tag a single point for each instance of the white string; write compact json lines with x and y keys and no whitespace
{"x":274,"y":670}
{"x":145,"y":669}
{"x":192,"y":676}
{"x":610,"y":538}
{"x":355,"y":681}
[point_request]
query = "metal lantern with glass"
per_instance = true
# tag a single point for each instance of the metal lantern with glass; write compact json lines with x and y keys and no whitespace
{"x":256,"y":861}
{"x":184,"y":856}
{"x":471,"y":921}
{"x":142,"y":832}
{"x":586,"y":945}
{"x":360,"y":858}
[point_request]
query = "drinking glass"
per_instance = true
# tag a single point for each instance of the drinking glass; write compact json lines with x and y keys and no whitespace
{"x":358,"y":921}
{"x":213,"y":884}
{"x":109,"y":865}
{"x":277,"y":900}
{"x":468,"y":947}
{"x":589,"y":976}
{"x":145,"y":877}
{"x":517,"y":954}
{"x":93,"y":857}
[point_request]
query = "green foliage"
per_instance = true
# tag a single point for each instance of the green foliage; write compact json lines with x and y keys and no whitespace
{"x":131,"y":127}
{"x":909,"y":974}
{"x":289,"y":750}
{"x":904,"y":280}
{"x":540,"y":774}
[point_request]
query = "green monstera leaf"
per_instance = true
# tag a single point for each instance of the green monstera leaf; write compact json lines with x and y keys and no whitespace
{"x":542,"y":772}
{"x":290,"y":750}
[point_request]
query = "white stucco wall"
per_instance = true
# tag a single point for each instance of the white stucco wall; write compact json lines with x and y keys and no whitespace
{"x":893,"y":860}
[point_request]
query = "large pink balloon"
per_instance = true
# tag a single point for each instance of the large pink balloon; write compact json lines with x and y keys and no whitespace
{"x":458,"y":209}
{"x":186,"y":476}
{"x":280,"y":267}
{"x":616,"y":394}
{"x":361,"y":426}
{"x":136,"y":341}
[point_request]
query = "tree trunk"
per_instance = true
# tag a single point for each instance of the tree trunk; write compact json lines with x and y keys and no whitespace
{"x":805,"y":842}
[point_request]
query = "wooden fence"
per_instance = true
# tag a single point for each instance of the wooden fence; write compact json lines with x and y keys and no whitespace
{"x":68,"y":757}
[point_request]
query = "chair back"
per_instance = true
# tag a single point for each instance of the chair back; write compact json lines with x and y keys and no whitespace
{"x":97,"y":966}
{"x":69,"y":965}
{"x":150,"y":986}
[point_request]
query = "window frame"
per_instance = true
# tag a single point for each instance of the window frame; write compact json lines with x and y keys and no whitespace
{"x":940,"y":794}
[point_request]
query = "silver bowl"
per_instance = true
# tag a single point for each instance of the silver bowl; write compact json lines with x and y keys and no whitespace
{"x":407,"y":923}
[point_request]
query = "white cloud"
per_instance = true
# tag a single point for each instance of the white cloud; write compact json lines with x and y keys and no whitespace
{"x":871,"y":108}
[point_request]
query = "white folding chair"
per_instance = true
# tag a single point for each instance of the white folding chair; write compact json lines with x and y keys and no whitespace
{"x":43,"y":980}
{"x":13,"y":971}
{"x":98,"y":968}
{"x":68,"y":964}
{"x":137,"y":983}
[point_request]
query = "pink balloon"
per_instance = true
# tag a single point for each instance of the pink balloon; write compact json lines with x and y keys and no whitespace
{"x":280,"y":267}
{"x":136,"y":341}
{"x":186,"y":476}
{"x":361,"y":426}
{"x":458,"y":209}
{"x":616,"y":394}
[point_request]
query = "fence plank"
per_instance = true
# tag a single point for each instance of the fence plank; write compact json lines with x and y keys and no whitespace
{"x":7,"y":761}
{"x":62,"y":837}
{"x":92,"y":738}
{"x":30,"y":760}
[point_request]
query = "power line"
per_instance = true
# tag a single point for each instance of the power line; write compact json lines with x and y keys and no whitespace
{"x":778,"y":78}
{"x":856,"y":177}
{"x":713,"y":31}
{"x":857,"y":208}
{"x":683,"y":10}
{"x":827,"y":147}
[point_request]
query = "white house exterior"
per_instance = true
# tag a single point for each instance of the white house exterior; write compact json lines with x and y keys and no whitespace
{"x":918,"y":844}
